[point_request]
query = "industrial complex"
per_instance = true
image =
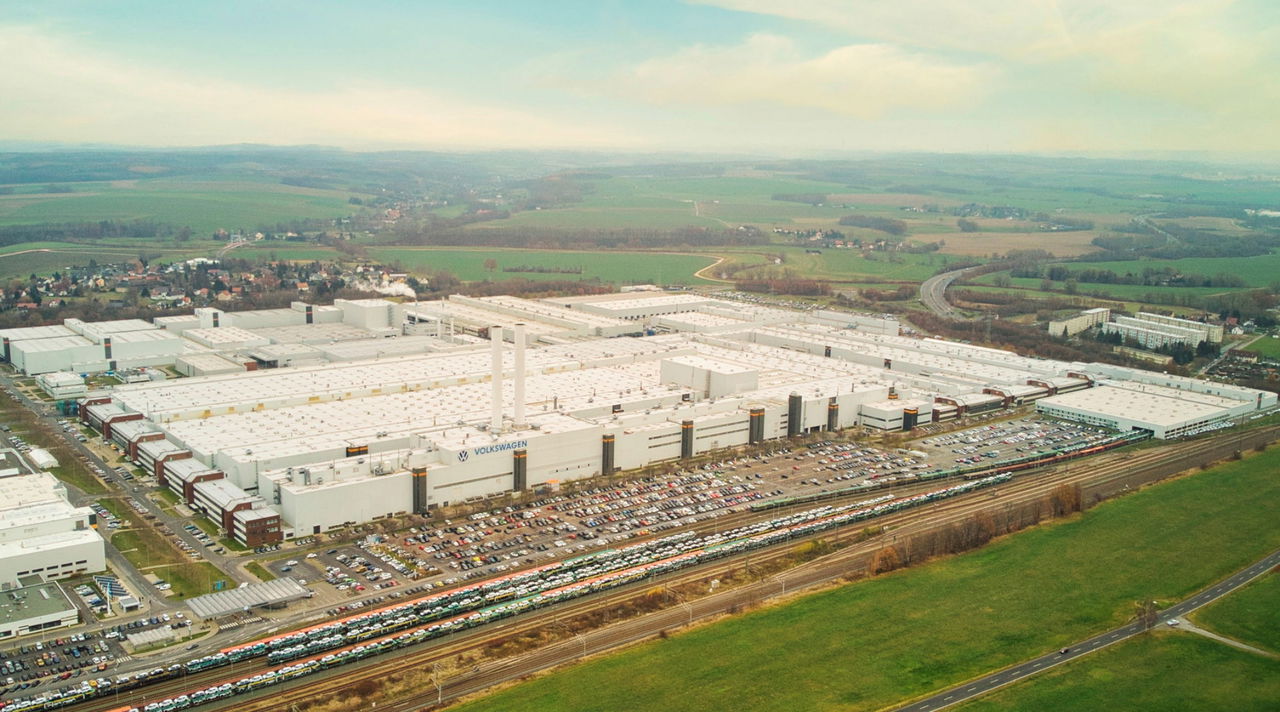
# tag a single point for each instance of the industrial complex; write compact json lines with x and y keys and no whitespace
{"x":295,"y":421}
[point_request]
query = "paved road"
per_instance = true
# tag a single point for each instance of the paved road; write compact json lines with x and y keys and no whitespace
{"x":134,"y":581}
{"x":933,"y":293}
{"x":983,"y":685}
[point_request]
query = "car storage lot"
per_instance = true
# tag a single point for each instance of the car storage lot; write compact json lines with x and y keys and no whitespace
{"x":564,"y":525}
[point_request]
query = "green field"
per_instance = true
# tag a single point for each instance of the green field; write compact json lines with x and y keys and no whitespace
{"x":1268,"y":346}
{"x":1166,"y":671}
{"x":1250,"y":615}
{"x":1132,"y":292}
{"x":616,"y":267}
{"x":204,"y":205}
{"x":867,"y":645}
{"x":623,"y":202}
{"x":1261,"y":271}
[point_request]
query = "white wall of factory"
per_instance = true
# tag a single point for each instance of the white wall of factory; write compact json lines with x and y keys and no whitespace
{"x":327,"y":503}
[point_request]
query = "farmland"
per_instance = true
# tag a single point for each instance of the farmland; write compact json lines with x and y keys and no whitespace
{"x":918,"y":630}
{"x":616,"y":267}
{"x":202,"y":204}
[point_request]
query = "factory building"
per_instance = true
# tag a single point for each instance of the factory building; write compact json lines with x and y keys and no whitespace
{"x":35,"y":606}
{"x":1164,"y":412}
{"x":502,"y":395}
{"x":62,"y":385}
{"x":41,"y":534}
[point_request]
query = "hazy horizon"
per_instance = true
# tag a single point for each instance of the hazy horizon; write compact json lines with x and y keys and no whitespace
{"x":750,"y":77}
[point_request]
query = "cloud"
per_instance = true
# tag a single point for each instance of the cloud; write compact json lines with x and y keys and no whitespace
{"x":1191,"y":53}
{"x":864,"y":81}
{"x":57,"y":90}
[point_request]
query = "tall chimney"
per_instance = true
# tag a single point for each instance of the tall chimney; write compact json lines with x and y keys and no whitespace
{"x":519,"y":376}
{"x":495,"y":338}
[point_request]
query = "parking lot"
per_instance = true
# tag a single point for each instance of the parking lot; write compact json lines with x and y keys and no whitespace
{"x":1008,"y":440}
{"x":563,"y":525}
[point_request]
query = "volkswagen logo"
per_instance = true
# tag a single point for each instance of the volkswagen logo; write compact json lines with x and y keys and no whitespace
{"x":462,"y":456}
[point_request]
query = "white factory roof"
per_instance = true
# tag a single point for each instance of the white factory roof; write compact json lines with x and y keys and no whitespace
{"x":135,"y":337}
{"x":61,"y":378}
{"x":223,"y":493}
{"x":1159,"y":407}
{"x":702,"y":319}
{"x":55,"y":343}
{"x":318,"y":333}
{"x":380,"y":348}
{"x":550,"y":311}
{"x":183,"y":470}
{"x":209,"y":361}
{"x":131,"y":429}
{"x":165,"y":322}
{"x":159,"y":448}
{"x":96,"y":330}
{"x":633,"y":300}
{"x":32,"y":499}
{"x":224,"y":336}
{"x":24,"y":333}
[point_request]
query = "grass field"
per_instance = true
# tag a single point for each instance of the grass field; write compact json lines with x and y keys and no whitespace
{"x":1261,"y":271}
{"x":617,"y":267}
{"x":204,"y":205}
{"x":1268,"y":346}
{"x":1166,"y":671}
{"x":1250,"y":615}
{"x":1133,"y":292}
{"x":871,"y":644}
{"x":845,"y":265}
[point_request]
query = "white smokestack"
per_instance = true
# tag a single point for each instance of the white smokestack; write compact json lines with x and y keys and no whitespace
{"x":495,"y":338}
{"x":519,"y":375}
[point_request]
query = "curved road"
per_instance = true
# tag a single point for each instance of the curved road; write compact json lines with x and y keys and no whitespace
{"x":933,"y":292}
{"x":1009,"y":675}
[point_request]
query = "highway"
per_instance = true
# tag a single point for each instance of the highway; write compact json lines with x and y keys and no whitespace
{"x":933,"y":293}
{"x":980,"y":686}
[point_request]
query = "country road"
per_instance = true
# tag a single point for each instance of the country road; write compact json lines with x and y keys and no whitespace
{"x":980,"y":686}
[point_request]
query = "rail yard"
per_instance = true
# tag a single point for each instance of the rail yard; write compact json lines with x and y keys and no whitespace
{"x":457,"y":614}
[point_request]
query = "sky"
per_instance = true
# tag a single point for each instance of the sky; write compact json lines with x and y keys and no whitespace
{"x":765,"y":77}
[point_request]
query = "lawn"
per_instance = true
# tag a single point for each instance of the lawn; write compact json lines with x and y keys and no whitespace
{"x":871,"y":644}
{"x":618,"y":267}
{"x":262,"y":572}
{"x":192,"y":579}
{"x":1250,"y":615}
{"x":1167,"y":671}
{"x":1268,"y":346}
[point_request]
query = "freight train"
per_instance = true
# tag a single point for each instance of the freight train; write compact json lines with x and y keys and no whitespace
{"x":300,"y":653}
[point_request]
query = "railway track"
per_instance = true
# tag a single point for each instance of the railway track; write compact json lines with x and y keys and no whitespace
{"x":1098,"y":473}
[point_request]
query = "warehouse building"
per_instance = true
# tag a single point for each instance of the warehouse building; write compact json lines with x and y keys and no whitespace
{"x":1125,"y":406}
{"x":41,"y":534}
